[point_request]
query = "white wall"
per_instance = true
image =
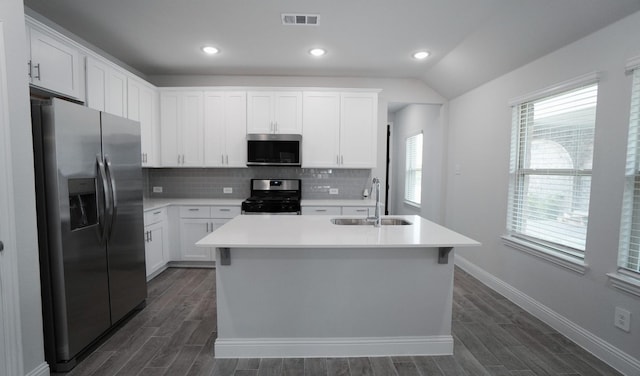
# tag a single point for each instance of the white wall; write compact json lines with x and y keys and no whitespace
{"x":412,"y":119}
{"x":476,"y":204}
{"x":12,"y":14}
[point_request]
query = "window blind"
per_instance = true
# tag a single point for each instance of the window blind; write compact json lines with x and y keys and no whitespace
{"x":630,"y":225}
{"x":413,"y":173}
{"x":551,"y":161}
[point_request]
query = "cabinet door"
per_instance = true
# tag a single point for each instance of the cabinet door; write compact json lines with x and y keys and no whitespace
{"x":116,"y":94}
{"x":192,"y":230}
{"x":155,"y":252}
{"x":260,"y":112}
{"x":236,"y":129}
{"x":169,"y":128}
{"x":55,"y":66}
{"x":358,"y":129}
{"x":214,"y":129}
{"x":141,"y":107}
{"x":191,"y":129}
{"x":321,"y":129}
{"x":97,"y":73}
{"x":288,"y":112}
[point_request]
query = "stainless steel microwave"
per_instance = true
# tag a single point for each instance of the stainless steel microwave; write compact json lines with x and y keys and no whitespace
{"x":274,"y":150}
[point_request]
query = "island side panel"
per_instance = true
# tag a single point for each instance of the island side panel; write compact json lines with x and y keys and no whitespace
{"x":333,"y":296}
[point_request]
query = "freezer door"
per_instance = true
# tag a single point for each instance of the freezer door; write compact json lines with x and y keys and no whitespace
{"x":125,"y":243}
{"x":78,"y":281}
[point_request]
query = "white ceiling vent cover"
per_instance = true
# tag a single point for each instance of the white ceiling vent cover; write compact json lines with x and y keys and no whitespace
{"x":300,"y":19}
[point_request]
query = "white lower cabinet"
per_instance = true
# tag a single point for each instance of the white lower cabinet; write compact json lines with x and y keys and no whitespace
{"x":198,"y":221}
{"x":155,"y":247}
{"x":156,"y":240}
{"x":338,"y":210}
{"x":321,"y":210}
{"x":358,"y":210}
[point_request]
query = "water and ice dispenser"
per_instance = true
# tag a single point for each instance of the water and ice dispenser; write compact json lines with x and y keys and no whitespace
{"x":83,"y":208}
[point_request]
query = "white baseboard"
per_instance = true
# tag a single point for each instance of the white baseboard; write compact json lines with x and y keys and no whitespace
{"x":602,"y":349}
{"x":40,"y":370}
{"x":332,"y":347}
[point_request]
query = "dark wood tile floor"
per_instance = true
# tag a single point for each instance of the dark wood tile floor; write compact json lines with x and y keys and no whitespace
{"x":174,"y":336}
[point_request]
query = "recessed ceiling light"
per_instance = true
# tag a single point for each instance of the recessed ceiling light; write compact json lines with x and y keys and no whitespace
{"x":317,"y":52}
{"x":210,"y":50}
{"x":420,"y":55}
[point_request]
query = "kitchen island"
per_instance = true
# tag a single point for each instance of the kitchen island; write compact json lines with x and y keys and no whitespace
{"x":302,"y":286}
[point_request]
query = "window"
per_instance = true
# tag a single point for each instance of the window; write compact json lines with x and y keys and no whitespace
{"x":413,"y":173}
{"x":630,"y":224}
{"x":551,"y":160}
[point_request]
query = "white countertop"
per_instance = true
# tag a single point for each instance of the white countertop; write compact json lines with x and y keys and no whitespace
{"x":314,"y":231}
{"x":155,"y":203}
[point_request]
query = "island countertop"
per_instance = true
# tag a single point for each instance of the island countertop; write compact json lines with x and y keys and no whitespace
{"x":316,"y":231}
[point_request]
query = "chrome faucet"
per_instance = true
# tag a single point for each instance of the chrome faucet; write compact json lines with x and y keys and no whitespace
{"x":376,"y":219}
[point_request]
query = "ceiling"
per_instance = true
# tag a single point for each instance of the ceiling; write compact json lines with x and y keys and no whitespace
{"x":470,"y":41}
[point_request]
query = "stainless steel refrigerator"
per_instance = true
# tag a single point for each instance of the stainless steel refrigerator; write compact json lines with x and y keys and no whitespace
{"x":90,"y":224}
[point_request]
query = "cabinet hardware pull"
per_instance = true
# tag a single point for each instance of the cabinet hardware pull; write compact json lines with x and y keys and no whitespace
{"x":207,"y":226}
{"x":337,"y":159}
{"x":150,"y":236}
{"x":342,"y":159}
{"x":194,"y":209}
{"x":178,"y":158}
{"x":222,"y":158}
{"x":227,"y":159}
{"x":37,"y":66}
{"x":158,"y":212}
{"x":29,"y":64}
{"x":225,"y":210}
{"x":321,"y":210}
{"x":1,"y":246}
{"x":211,"y":227}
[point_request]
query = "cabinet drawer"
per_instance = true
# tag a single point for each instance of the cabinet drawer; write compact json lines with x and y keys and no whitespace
{"x":321,"y":210}
{"x":356,"y":210}
{"x":225,"y":211}
{"x":194,"y":212}
{"x":154,"y":216}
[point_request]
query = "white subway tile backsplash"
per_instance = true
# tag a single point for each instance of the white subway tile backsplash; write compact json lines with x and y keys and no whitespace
{"x":210,"y":182}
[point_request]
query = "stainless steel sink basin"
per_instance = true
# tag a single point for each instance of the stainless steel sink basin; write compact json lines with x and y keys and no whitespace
{"x":365,"y":222}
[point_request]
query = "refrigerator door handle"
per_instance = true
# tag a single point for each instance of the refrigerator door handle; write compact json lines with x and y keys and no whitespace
{"x":102,"y":214}
{"x":114,"y":197}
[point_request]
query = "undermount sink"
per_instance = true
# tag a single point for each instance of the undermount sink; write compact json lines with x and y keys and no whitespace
{"x":369,"y":222}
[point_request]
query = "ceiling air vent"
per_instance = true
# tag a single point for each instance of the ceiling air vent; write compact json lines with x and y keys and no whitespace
{"x":300,"y":19}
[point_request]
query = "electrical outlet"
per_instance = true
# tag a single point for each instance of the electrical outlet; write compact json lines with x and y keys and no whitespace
{"x":333,"y":191}
{"x":622,"y":319}
{"x":157,"y":189}
{"x":227,"y":190}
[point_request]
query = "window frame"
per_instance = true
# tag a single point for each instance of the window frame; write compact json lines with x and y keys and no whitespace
{"x":408,"y":172}
{"x":631,"y":198}
{"x":557,"y":253}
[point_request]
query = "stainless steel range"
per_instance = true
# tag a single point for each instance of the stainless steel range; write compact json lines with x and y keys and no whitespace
{"x":273,"y":196}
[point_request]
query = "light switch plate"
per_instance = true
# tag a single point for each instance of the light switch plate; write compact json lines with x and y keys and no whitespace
{"x":157,"y":189}
{"x":333,"y":191}
{"x":227,"y":190}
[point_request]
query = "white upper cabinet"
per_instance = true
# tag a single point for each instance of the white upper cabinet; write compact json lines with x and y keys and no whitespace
{"x":321,"y":132}
{"x":106,"y":88}
{"x":358,"y":129}
{"x":142,"y":106}
{"x":274,"y":112}
{"x":340,"y":129}
{"x":54,"y":64}
{"x":225,"y":129}
{"x":181,"y":128}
